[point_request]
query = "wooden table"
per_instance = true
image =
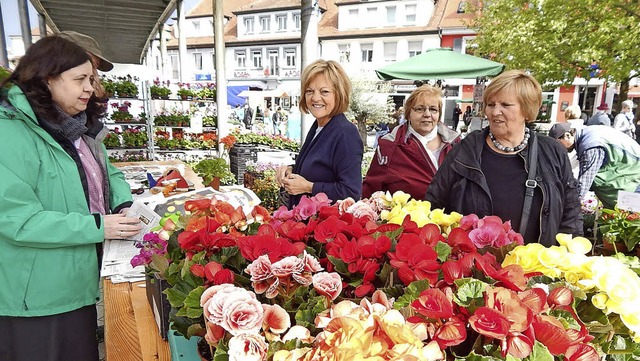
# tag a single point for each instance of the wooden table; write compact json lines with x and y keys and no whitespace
{"x":130,"y":330}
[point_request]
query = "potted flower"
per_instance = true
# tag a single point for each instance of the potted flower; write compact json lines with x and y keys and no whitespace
{"x":159,"y":92}
{"x":121,"y":112}
{"x":112,"y":140}
{"x":214,"y":171}
{"x":134,"y":137}
{"x":620,"y":229}
{"x":185,"y":92}
{"x":126,"y":88}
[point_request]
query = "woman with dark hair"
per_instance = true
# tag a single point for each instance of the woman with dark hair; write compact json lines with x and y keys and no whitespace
{"x":330,"y":158}
{"x":60,"y":199}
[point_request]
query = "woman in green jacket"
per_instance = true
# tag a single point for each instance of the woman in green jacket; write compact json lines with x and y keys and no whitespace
{"x":60,"y":198}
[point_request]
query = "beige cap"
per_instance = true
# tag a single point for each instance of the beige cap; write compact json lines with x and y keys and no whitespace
{"x":89,"y":44}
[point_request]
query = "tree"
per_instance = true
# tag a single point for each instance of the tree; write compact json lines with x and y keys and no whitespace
{"x":559,"y":40}
{"x":369,"y":105}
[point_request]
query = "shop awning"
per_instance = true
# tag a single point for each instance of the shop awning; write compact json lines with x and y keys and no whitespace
{"x":122,"y":28}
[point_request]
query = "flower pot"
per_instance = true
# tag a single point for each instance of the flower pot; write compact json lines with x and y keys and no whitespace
{"x":204,"y":351}
{"x":215,"y":183}
{"x":159,"y":303}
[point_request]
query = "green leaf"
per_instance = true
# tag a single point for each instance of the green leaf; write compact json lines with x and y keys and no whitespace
{"x":340,"y":266}
{"x":443,"y":250}
{"x":540,"y":353}
{"x":469,"y":290}
{"x":412,"y":292}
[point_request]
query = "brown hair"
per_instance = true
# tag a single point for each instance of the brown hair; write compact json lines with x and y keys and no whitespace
{"x":424,"y":91}
{"x":48,"y":58}
{"x":338,"y":78}
{"x":524,"y":86}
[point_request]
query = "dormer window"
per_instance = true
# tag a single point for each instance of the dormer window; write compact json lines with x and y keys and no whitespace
{"x":461,"y":6}
{"x":248,"y":25}
{"x":265,"y":24}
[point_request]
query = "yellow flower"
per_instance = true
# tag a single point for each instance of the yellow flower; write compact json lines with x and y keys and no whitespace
{"x":599,"y":300}
{"x":632,"y":321}
{"x":552,"y":257}
{"x":401,"y":197}
{"x":579,"y":245}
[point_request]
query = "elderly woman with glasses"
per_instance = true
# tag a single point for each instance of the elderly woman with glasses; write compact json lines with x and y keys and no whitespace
{"x":510,"y":171}
{"x":407,"y":158}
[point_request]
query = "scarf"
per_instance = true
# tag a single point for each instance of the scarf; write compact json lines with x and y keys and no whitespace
{"x":69,"y":127}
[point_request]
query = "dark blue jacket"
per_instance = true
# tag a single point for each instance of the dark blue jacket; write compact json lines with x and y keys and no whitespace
{"x":332,"y":160}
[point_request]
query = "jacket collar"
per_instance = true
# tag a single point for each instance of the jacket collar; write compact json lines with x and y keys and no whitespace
{"x":446,"y":134}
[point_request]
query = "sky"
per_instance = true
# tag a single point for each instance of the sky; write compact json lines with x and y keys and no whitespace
{"x":11,"y":18}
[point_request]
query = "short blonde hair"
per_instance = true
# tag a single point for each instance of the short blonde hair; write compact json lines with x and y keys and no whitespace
{"x":526,"y":88}
{"x":338,"y":78}
{"x":627,"y":103}
{"x":572,"y":112}
{"x":425,"y":91}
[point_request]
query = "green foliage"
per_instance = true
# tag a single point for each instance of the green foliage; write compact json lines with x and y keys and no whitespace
{"x":210,"y":168}
{"x":367,"y":107}
{"x":159,"y":91}
{"x":412,"y":292}
{"x":557,"y":40}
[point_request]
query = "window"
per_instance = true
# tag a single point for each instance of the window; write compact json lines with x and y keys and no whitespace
{"x":345,"y":53}
{"x":157,"y":62}
{"x":273,"y":62}
{"x":457,"y":45}
{"x":410,"y":13}
{"x":175,"y":72}
{"x":197,"y":58}
{"x":290,"y":57}
{"x":282,"y":22}
{"x":372,"y":12}
{"x":391,"y":14}
{"x":390,"y":50}
{"x":248,"y":25}
{"x":213,"y":60}
{"x":256,"y":57}
{"x":461,"y":6}
{"x":241,"y":59}
{"x":415,"y":48}
{"x":265,"y":24}
{"x":367,"y":53}
{"x":353,"y":15}
{"x":196,"y":25}
{"x":296,"y":21}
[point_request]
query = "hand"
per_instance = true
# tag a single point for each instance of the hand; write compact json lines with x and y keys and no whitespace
{"x":117,"y":226}
{"x":282,"y":173}
{"x":297,"y":184}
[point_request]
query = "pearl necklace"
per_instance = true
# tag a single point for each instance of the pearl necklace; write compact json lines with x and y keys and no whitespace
{"x":517,"y":148}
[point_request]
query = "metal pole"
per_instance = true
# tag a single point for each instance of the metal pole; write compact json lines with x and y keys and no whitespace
{"x":25,"y":25}
{"x":42,"y":21}
{"x":4,"y":58}
{"x":221,"y":80}
{"x":182,"y":40}
{"x":309,"y":32}
{"x":163,"y":53}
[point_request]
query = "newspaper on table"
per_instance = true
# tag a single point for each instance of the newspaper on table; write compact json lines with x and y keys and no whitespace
{"x":116,"y":262}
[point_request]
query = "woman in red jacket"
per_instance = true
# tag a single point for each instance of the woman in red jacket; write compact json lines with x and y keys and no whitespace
{"x":407,"y":158}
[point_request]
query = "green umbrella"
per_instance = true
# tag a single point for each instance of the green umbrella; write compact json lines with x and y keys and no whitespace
{"x":440,"y":63}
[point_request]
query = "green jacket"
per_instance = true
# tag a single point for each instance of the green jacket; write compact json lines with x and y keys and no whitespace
{"x":48,"y":237}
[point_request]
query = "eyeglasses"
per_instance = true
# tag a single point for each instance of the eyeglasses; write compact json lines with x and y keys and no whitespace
{"x":421,"y":110}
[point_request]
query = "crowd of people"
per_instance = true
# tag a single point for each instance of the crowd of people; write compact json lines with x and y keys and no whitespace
{"x":62,"y":198}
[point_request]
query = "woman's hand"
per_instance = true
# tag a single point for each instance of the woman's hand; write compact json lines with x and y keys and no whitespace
{"x":282,"y":173}
{"x":297,"y":184}
{"x":117,"y":226}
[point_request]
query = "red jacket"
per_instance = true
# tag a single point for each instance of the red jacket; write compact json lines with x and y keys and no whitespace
{"x":400,"y":163}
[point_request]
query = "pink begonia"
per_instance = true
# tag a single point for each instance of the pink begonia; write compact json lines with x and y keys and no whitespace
{"x":311,"y":264}
{"x":216,"y":307}
{"x":287,"y":266}
{"x":305,"y":209}
{"x":260,"y":269}
{"x":248,"y":347}
{"x":344,"y":204}
{"x":242,"y":315}
{"x":328,"y":284}
{"x":276,"y":319}
{"x":363,"y":209}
